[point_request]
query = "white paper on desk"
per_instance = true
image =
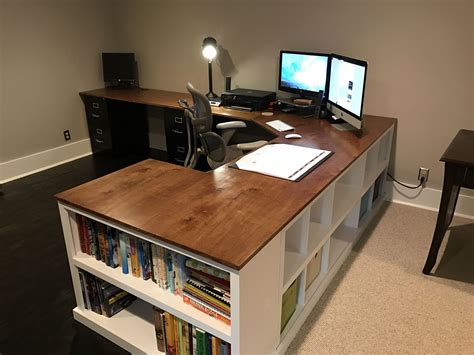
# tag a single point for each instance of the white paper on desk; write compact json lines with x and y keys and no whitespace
{"x":284,"y":161}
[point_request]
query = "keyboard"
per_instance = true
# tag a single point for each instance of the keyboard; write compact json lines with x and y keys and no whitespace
{"x":280,"y":126}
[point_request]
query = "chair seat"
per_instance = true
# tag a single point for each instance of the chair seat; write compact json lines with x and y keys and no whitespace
{"x":231,"y":153}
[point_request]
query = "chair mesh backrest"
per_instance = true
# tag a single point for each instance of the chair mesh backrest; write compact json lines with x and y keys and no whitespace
{"x":202,"y":114}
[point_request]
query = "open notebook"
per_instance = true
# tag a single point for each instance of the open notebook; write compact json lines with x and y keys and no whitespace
{"x":285,"y":161}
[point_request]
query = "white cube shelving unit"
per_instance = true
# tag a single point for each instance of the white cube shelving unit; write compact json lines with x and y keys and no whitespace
{"x":330,"y":225}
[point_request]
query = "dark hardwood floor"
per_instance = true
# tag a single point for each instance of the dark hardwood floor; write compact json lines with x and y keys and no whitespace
{"x":36,"y":297}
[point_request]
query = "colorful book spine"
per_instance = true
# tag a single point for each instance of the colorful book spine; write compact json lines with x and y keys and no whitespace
{"x":201,"y":342}
{"x":134,"y":257}
{"x":113,"y":246}
{"x":206,"y":309}
{"x":146,"y":260}
{"x":170,"y":271}
{"x":101,"y":239}
{"x":170,"y":339}
{"x":159,"y":329}
{"x":162,"y":268}
{"x":154,"y":263}
{"x":82,"y":234}
{"x":123,"y":251}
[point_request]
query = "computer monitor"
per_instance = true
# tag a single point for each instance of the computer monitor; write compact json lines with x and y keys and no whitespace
{"x":303,"y":73}
{"x":119,"y":68}
{"x":346,"y":89}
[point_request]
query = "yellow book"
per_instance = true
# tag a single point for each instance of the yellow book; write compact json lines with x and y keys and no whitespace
{"x":169,"y":332}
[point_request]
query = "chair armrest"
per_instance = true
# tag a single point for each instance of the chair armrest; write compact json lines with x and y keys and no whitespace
{"x":231,"y":124}
{"x":251,"y":145}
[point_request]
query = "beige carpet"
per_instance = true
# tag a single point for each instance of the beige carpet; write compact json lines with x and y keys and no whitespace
{"x":380,"y":302}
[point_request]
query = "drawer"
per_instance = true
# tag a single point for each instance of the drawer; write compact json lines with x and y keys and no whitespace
{"x":95,"y":120}
{"x":175,"y":120}
{"x":101,"y":142}
{"x":178,"y":158}
{"x":96,"y":107}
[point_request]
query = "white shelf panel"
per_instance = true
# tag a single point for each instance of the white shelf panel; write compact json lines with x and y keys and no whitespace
{"x":372,"y":175}
{"x":132,"y":328}
{"x":294,"y":264}
{"x":345,"y":197}
{"x":318,"y":234}
{"x":153,"y":294}
{"x":294,"y":317}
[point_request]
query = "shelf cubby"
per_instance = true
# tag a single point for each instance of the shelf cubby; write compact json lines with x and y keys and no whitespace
{"x":132,"y":328}
{"x":150,"y":292}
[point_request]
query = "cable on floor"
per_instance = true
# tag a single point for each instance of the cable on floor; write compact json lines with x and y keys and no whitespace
{"x":422,"y":180}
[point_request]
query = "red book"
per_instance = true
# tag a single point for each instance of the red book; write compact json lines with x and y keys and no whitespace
{"x":205,"y":309}
{"x":82,"y":235}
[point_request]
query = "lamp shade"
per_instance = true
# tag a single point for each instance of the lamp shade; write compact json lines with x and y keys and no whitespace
{"x":209,"y":48}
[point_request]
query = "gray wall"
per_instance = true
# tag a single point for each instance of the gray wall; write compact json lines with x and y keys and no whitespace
{"x":51,"y":51}
{"x":420,"y":56}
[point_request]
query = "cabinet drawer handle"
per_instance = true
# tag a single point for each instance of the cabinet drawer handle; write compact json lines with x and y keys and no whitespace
{"x":180,"y":149}
{"x":95,"y":105}
{"x":95,"y":115}
{"x":179,"y":160}
{"x":99,"y":140}
{"x":177,"y":131}
{"x":99,"y":131}
{"x":178,"y":119}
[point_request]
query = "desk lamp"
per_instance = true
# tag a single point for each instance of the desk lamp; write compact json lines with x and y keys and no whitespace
{"x":209,"y":51}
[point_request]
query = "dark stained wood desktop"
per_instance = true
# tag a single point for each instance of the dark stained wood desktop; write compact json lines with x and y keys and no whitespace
{"x":226,"y":215}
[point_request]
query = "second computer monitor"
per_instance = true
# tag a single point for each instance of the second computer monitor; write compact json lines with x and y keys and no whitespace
{"x":346,"y":89}
{"x":303,"y":73}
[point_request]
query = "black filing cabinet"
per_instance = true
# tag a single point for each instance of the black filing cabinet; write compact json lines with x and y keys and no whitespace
{"x":116,"y":127}
{"x":176,"y":136}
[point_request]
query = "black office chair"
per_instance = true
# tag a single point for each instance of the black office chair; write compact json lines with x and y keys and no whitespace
{"x":202,"y":141}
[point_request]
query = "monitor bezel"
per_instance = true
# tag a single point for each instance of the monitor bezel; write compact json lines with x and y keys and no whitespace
{"x":353,"y":61}
{"x":301,"y":91}
{"x":120,"y":80}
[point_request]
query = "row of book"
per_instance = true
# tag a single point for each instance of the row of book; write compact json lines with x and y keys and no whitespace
{"x":134,"y":255}
{"x":102,"y":297}
{"x":202,"y":286}
{"x":175,"y":336}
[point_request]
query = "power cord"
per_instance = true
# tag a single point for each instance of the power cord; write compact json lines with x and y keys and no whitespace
{"x":422,"y":180}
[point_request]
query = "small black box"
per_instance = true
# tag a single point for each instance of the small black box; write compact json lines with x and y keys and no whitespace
{"x":254,"y":99}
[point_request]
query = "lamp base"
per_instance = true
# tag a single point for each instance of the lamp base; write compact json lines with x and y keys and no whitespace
{"x":212,"y":97}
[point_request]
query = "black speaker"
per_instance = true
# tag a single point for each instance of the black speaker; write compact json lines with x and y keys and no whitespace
{"x":227,"y":83}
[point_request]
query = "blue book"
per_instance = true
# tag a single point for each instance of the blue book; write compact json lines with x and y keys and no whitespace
{"x":140,"y":255}
{"x":123,"y":251}
{"x":170,"y":272}
{"x":110,"y":234}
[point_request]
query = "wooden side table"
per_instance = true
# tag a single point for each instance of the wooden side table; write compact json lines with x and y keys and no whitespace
{"x":458,"y":172}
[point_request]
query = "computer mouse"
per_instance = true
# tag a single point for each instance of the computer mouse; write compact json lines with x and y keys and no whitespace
{"x":292,"y":136}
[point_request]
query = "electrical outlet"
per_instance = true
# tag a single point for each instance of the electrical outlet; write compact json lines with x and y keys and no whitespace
{"x":423,"y":173}
{"x":67,"y":135}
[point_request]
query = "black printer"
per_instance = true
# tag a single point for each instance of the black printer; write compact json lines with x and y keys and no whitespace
{"x":252,"y":99}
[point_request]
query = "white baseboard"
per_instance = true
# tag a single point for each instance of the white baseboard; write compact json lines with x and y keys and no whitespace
{"x":17,"y":168}
{"x":427,"y":199}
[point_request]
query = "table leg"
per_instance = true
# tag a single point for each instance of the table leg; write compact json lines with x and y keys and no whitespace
{"x":447,"y":206}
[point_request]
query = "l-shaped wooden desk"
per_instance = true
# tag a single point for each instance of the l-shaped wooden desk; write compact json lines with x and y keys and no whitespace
{"x":264,"y":231}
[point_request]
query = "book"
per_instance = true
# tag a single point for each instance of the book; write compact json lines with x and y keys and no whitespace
{"x":123,"y":251}
{"x":194,"y":340}
{"x":113,"y":246}
{"x":209,"y":310}
{"x":134,"y":257}
{"x":146,"y":259}
{"x":179,"y":326}
{"x":207,"y":300}
{"x":201,"y":342}
{"x":159,"y":329}
{"x":85,"y":296}
{"x":162,"y":268}
{"x":169,"y":334}
{"x":170,"y":270}
{"x":103,"y":250}
{"x":82,"y":232}
{"x":216,"y":346}
{"x":155,"y":275}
